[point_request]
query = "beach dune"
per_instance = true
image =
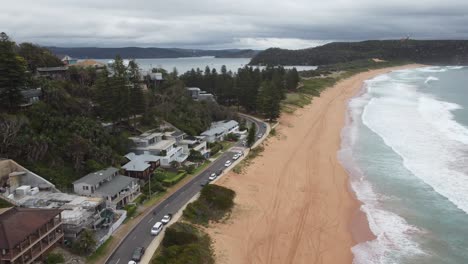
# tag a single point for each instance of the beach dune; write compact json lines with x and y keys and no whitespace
{"x":293,"y":204}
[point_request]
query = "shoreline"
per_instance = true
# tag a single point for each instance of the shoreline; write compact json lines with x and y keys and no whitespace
{"x":295,"y":203}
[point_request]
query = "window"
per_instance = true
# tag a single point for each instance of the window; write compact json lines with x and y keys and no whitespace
{"x":85,"y":188}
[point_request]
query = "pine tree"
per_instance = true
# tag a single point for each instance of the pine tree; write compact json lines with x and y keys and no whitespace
{"x":137,"y":99}
{"x":251,"y":135}
{"x":12,"y":74}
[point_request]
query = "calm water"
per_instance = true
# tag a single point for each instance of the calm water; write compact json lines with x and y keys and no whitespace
{"x":406,"y":148}
{"x":186,"y":64}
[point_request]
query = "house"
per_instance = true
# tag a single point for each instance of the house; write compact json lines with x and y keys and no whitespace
{"x":219,"y":130}
{"x":90,"y":63}
{"x":67,"y":60}
{"x":199,"y":95}
{"x":55,"y":73}
{"x":118,"y":190}
{"x":24,"y":188}
{"x":27,"y":234}
{"x":177,"y":135}
{"x":31,"y":96}
{"x":197,"y":144}
{"x":140,"y":166}
{"x":155,"y":143}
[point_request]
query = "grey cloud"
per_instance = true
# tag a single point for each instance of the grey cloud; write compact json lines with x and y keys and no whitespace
{"x":228,"y":24}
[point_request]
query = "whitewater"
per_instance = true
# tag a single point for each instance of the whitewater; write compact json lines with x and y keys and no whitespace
{"x":405,"y":147}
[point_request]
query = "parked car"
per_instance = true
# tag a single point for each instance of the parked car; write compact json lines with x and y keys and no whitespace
{"x":235,"y":157}
{"x":166,"y":219}
{"x":260,"y":136}
{"x":228,"y":163}
{"x":138,"y":253}
{"x":156,"y":229}
{"x":219,"y":172}
{"x":212,"y":177}
{"x":132,"y":262}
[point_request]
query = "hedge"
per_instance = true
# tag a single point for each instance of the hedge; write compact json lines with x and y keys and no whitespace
{"x":171,"y":181}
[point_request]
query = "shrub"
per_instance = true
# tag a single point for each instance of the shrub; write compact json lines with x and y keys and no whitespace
{"x":171,"y":181}
{"x":215,"y":148}
{"x":214,"y":203}
{"x":54,"y":258}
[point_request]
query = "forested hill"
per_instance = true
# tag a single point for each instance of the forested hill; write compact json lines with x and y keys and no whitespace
{"x":140,"y":53}
{"x":420,"y":51}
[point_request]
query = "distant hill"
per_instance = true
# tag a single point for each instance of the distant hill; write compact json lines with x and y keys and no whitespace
{"x":420,"y":51}
{"x":141,"y":53}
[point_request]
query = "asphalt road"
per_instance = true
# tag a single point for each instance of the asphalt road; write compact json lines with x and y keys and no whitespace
{"x":140,"y":236}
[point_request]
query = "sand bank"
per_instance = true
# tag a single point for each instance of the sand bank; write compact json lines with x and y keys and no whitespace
{"x":293,"y":204}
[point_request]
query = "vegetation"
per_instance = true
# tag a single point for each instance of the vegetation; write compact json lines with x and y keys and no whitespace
{"x":184,"y":243}
{"x":255,"y":90}
{"x":174,"y":179}
{"x":4,"y":204}
{"x":215,"y":147}
{"x":253,"y":153}
{"x":100,"y":251}
{"x":421,"y":51}
{"x":131,"y":210}
{"x":139,"y":53}
{"x":251,"y":135}
{"x":213,"y":204}
{"x":85,"y":243}
{"x":54,"y":258}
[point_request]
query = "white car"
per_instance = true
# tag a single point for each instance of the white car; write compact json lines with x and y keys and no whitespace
{"x":212,"y":177}
{"x":166,"y":219}
{"x":132,"y":262}
{"x":235,"y":157}
{"x":156,"y":229}
{"x":228,"y":163}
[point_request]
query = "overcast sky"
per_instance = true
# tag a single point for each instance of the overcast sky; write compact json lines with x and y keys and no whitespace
{"x":257,"y":24}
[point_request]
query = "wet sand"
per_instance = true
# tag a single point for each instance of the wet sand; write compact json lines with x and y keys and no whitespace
{"x":294,"y":203}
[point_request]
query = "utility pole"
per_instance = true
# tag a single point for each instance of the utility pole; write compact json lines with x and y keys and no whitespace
{"x":149,"y":186}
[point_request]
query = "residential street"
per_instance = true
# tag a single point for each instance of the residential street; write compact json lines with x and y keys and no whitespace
{"x":140,"y":236}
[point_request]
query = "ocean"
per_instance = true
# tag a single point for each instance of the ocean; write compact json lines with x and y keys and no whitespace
{"x":186,"y":64}
{"x":405,"y":147}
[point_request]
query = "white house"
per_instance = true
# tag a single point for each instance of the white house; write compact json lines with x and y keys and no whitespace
{"x":220,"y":129}
{"x":162,"y":145}
{"x":118,"y":190}
{"x":195,"y":143}
{"x":199,"y":95}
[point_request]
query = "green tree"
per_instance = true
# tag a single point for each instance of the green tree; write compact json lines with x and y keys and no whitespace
{"x":251,"y":135}
{"x":269,"y":99}
{"x":137,"y":99}
{"x":85,"y":243}
{"x":12,"y":74}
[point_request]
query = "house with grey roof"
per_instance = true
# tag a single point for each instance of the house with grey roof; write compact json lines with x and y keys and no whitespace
{"x":141,"y":166}
{"x":198,"y":94}
{"x":118,"y":190}
{"x":31,"y":96}
{"x":219,"y":130}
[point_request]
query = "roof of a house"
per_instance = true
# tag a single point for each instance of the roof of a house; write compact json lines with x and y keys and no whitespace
{"x":97,"y":177}
{"x":52,"y":69}
{"x":18,"y":223}
{"x":163,"y":144}
{"x":139,"y":162}
{"x":193,"y":89}
{"x":213,"y":131}
{"x":115,"y":186}
{"x":30,"y":93}
{"x":226,"y":124}
{"x":89,"y":63}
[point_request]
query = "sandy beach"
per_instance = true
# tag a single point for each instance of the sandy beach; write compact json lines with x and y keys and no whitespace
{"x":293,"y":204}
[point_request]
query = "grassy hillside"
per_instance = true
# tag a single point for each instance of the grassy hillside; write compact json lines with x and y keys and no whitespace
{"x":420,"y":51}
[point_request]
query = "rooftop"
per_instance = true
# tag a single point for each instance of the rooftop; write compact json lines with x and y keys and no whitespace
{"x":97,"y":177}
{"x":115,"y":186}
{"x":18,"y":223}
{"x":51,"y":69}
{"x":30,"y":93}
{"x":163,"y":144}
{"x":213,"y":131}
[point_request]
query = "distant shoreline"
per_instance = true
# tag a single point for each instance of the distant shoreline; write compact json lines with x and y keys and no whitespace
{"x":294,"y":203}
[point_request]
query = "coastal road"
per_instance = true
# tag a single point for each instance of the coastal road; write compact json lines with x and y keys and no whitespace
{"x":140,"y":236}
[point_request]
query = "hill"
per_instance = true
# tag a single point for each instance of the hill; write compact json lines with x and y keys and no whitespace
{"x":141,"y":53}
{"x":420,"y":51}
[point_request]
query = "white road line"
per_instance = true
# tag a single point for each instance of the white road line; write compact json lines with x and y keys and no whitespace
{"x":117,"y":261}
{"x":134,"y":238}
{"x":150,"y":220}
{"x":166,"y":205}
